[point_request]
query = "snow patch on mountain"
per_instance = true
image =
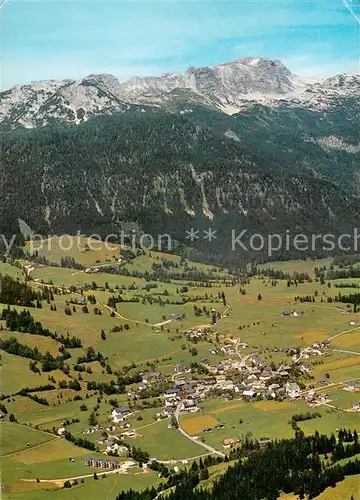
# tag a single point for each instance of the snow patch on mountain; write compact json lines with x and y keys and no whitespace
{"x":228,"y":87}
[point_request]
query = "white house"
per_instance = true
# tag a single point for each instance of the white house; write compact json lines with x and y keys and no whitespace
{"x":249,"y":393}
{"x":292,"y":390}
{"x":119,"y":414}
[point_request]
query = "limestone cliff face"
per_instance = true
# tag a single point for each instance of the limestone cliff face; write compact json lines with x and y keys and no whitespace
{"x":228,"y":87}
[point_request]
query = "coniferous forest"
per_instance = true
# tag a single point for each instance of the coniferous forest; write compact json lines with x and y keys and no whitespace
{"x":289,"y":466}
{"x":162,"y":173}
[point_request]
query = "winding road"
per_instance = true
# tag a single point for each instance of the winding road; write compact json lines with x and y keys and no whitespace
{"x":190,"y":438}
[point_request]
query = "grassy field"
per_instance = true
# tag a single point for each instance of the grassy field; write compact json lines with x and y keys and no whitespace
{"x":14,"y":472}
{"x":259,"y":323}
{"x":166,"y":444}
{"x":265,"y":419}
{"x":86,"y":251}
{"x":343,"y":490}
{"x":16,"y":437}
{"x":44,"y":344}
{"x":15,"y":374}
{"x":12,"y":271}
{"x":299,"y":266}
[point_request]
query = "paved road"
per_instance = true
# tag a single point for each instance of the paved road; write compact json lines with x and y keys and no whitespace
{"x":123,"y":317}
{"x":223,"y":315}
{"x":331,"y":338}
{"x":347,"y":352}
{"x":243,"y":359}
{"x":342,"y":333}
{"x":196,"y":441}
{"x":326,"y":387}
{"x":163,"y":323}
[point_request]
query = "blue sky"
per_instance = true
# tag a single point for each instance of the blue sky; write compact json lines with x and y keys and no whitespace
{"x":71,"y":39}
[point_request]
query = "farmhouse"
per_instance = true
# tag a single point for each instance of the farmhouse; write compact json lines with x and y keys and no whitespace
{"x":175,"y":316}
{"x":179,"y":368}
{"x":292,"y":390}
{"x":116,"y":449}
{"x":88,"y":430}
{"x":306,"y":367}
{"x":352,"y":386}
{"x":227,"y":349}
{"x":129,"y":434}
{"x":229,"y":443}
{"x":190,"y":406}
{"x":168,"y":410}
{"x":274,"y":387}
{"x":118,"y":414}
{"x":265,"y":375}
{"x":264,"y":442}
{"x":92,"y":270}
{"x":172,"y":393}
{"x":225,"y":385}
{"x":310,"y":396}
{"x":249,"y":393}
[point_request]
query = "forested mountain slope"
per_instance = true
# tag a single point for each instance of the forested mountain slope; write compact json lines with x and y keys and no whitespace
{"x":168,"y":172}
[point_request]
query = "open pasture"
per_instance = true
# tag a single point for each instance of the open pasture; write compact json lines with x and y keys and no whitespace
{"x":164,"y":443}
{"x":350,"y":486}
{"x":16,"y":437}
{"x":53,"y":450}
{"x":15,"y":374}
{"x":14,"y":272}
{"x":44,"y":344}
{"x":48,"y":417}
{"x":263,"y":325}
{"x":260,"y":323}
{"x":104,"y":487}
{"x":339,"y":366}
{"x":267,"y":419}
{"x":64,"y":276}
{"x":299,"y":266}
{"x":343,"y":399}
{"x":193,"y":425}
{"x":86,"y":251}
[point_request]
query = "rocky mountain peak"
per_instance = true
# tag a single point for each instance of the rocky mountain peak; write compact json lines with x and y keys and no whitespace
{"x":103,"y":79}
{"x":229,"y":86}
{"x":346,"y":84}
{"x":232,"y":80}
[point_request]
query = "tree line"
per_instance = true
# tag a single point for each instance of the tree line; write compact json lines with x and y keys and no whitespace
{"x":24,"y":322}
{"x":288,"y":465}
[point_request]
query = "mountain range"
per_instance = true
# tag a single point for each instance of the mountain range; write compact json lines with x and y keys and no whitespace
{"x":244,"y":144}
{"x":227,"y":87}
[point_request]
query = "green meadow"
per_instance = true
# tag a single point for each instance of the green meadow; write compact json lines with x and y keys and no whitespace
{"x":141,"y":337}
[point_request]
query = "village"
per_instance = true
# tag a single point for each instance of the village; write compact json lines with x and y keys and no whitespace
{"x":237,"y":377}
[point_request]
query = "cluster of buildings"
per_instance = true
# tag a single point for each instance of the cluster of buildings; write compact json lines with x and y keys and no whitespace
{"x":231,"y":379}
{"x":102,"y":463}
{"x":316,"y":349}
{"x":92,"y":270}
{"x":185,"y":391}
{"x":293,"y":313}
{"x":314,"y":399}
{"x":196,"y":334}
